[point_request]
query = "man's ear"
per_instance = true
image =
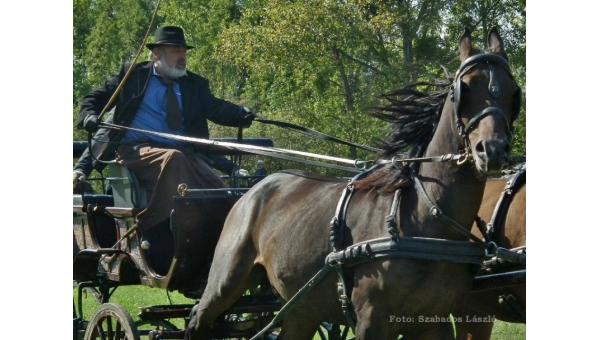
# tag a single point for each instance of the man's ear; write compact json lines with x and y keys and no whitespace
{"x":155,"y":53}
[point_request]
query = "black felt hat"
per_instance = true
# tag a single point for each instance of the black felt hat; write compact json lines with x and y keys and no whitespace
{"x":169,"y":36}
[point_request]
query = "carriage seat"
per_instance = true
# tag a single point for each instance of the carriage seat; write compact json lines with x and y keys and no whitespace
{"x":128,"y":196}
{"x":126,"y":189}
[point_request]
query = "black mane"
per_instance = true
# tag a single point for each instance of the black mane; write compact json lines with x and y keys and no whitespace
{"x":414,"y":115}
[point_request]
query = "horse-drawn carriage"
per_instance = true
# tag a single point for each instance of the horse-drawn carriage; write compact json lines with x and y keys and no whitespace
{"x":115,"y":254}
{"x":399,"y":239}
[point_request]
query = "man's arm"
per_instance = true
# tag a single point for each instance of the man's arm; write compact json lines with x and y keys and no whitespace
{"x":93,"y":103}
{"x":84,"y":164}
{"x":223,"y":112}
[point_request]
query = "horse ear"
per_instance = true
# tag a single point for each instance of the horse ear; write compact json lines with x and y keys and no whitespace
{"x":495,"y":43}
{"x":465,"y":45}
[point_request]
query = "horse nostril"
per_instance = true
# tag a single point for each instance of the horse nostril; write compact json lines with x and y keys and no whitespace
{"x":480,"y":147}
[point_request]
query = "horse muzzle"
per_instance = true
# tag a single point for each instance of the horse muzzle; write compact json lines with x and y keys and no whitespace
{"x":490,"y":155}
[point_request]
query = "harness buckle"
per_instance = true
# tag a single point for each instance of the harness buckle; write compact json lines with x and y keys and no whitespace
{"x":464,"y":157}
{"x":491,"y":248}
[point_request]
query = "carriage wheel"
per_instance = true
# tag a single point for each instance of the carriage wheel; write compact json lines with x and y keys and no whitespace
{"x":111,"y":322}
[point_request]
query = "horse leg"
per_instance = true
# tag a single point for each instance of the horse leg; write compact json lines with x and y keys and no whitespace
{"x":373,"y":322}
{"x":226,"y":283}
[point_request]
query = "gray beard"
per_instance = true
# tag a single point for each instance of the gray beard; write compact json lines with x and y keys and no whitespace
{"x":169,"y":71}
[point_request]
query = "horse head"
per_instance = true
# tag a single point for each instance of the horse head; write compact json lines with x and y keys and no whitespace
{"x":486,"y":102}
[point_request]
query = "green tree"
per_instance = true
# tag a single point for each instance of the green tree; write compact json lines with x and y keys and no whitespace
{"x":320,"y":64}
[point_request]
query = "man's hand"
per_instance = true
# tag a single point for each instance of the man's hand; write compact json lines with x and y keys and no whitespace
{"x":80,"y":185}
{"x":78,"y":176}
{"x":90,"y":123}
{"x":247,"y":117}
{"x":242,"y":173}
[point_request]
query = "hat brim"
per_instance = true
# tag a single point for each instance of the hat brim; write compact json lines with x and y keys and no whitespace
{"x":152,"y":45}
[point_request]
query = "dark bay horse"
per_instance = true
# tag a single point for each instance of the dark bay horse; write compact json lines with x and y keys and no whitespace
{"x":510,"y":235}
{"x":279,"y":229}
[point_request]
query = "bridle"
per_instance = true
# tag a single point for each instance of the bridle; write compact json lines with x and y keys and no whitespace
{"x":492,"y":61}
{"x":472,"y":251}
{"x":464,"y":130}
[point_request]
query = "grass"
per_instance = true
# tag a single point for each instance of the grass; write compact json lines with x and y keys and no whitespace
{"x":508,"y":331}
{"x":132,"y":298}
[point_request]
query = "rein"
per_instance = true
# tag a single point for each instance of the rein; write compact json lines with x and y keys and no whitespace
{"x":459,"y":158}
{"x":286,"y":154}
{"x":314,"y":133}
{"x":350,"y":165}
{"x":473,"y":251}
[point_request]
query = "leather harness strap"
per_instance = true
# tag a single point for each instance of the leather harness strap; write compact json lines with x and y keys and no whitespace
{"x":491,"y":230}
{"x":337,"y":229}
{"x":395,"y":246}
{"x":482,"y":227}
{"x":501,"y":210}
{"x":491,"y":60}
{"x":391,"y":220}
{"x":420,"y":248}
{"x":488,"y":111}
{"x":436,"y":212}
{"x":315,"y":134}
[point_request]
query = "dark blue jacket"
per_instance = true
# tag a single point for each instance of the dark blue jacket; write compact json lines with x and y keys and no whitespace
{"x":198,"y":103}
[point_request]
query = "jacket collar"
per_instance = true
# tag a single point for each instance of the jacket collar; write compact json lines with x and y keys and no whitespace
{"x":144,"y":72}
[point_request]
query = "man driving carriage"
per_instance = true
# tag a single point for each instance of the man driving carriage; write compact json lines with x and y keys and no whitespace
{"x":86,"y":163}
{"x":161,"y":95}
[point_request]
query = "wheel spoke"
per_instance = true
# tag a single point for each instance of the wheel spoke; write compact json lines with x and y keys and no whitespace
{"x":109,"y":327}
{"x":118,"y":333}
{"x":111,"y":322}
{"x":100,"y":331}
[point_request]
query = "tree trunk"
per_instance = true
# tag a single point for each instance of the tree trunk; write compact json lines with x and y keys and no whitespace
{"x":407,"y":49}
{"x":345,"y":82}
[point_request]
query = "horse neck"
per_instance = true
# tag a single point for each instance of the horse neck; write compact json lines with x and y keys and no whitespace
{"x":457,"y":190}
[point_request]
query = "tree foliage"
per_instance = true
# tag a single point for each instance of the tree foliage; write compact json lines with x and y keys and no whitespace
{"x":321,"y":64}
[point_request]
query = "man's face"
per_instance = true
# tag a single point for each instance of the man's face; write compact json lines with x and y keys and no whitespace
{"x":175,"y":56}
